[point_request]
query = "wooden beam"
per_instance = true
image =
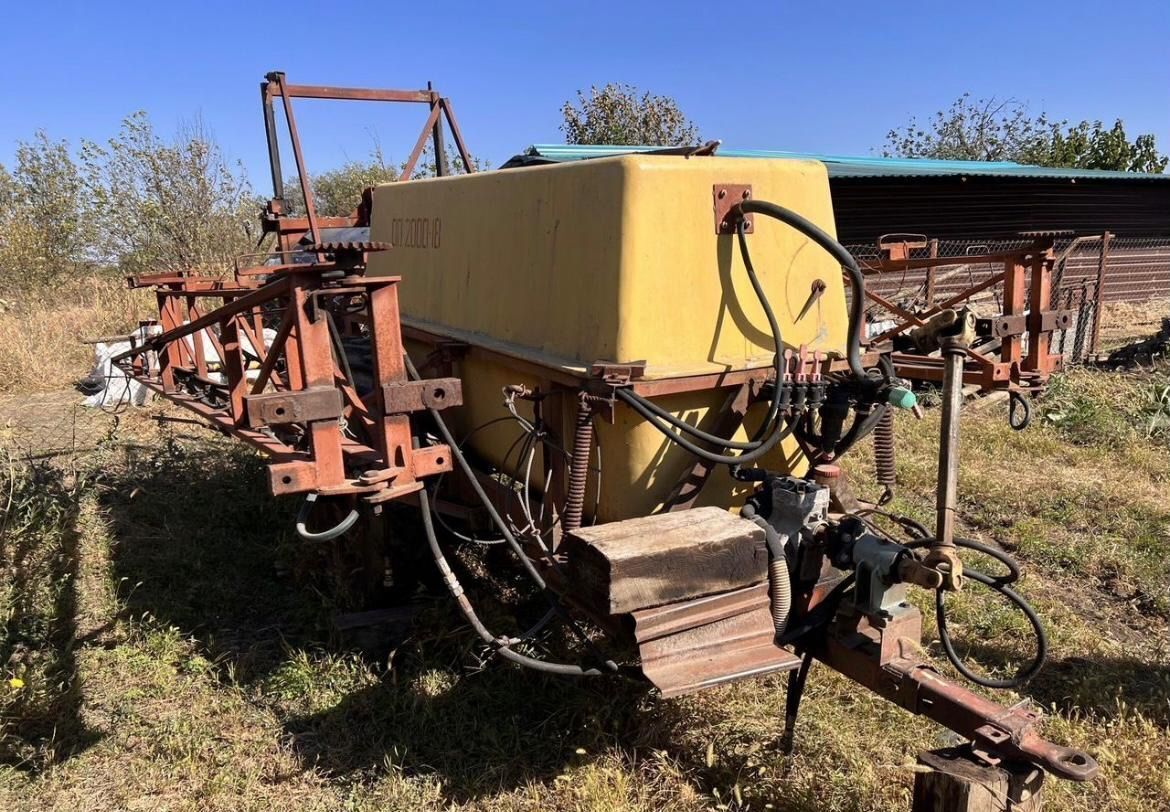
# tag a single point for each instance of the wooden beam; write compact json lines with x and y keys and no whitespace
{"x":654,"y":560}
{"x":955,"y":781}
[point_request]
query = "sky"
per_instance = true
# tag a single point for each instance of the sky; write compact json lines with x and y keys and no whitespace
{"x":803,"y":76}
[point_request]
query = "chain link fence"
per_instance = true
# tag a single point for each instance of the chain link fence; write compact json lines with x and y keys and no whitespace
{"x":1118,"y":288}
{"x":55,"y":425}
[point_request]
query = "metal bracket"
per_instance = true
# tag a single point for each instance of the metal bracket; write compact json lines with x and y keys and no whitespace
{"x":616,"y":374}
{"x":1054,"y":320}
{"x":725,"y":197}
{"x":898,"y":246}
{"x":277,"y":408}
{"x":404,"y":397}
{"x":1001,"y":326}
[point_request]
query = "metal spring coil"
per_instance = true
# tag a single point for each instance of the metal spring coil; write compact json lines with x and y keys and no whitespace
{"x":884,"y":455}
{"x":579,"y":465}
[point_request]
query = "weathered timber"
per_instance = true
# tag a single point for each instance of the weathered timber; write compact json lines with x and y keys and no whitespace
{"x":654,"y":560}
{"x":956,"y":781}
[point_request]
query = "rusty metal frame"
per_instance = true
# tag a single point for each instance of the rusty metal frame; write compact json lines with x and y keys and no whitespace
{"x":1026,"y":281}
{"x":290,"y":397}
{"x":881,"y":654}
{"x":290,"y":230}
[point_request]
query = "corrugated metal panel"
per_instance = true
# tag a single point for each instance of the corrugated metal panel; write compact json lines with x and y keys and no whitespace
{"x":984,"y":207}
{"x":852,"y":166}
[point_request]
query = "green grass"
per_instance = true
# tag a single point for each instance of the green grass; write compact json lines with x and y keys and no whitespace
{"x":175,"y":655}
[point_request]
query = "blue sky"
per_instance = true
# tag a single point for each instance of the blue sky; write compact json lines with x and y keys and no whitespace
{"x":808,"y":76}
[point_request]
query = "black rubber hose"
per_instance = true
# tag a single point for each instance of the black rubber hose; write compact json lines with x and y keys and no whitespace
{"x":635,"y":402}
{"x":773,"y":408}
{"x":336,"y":531}
{"x":1015,"y":399}
{"x":502,"y":526}
{"x":456,"y":590}
{"x":863,"y":426}
{"x":1001,"y":585}
{"x":468,"y":472}
{"x":839,"y":253}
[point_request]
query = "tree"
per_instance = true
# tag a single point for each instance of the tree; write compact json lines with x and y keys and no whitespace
{"x":44,"y":227}
{"x":1004,"y":130}
{"x":337,"y":192}
{"x":616,"y":114}
{"x":162,"y":205}
{"x":427,"y":166}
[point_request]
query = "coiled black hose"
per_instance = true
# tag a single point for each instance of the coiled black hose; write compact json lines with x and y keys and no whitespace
{"x":998,"y":584}
{"x":1019,"y":401}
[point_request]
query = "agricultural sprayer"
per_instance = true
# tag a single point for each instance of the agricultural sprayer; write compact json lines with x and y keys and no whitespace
{"x":640,"y":375}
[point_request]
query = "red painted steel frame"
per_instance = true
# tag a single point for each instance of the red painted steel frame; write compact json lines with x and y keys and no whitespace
{"x":292,"y":398}
{"x":1027,"y":299}
{"x":297,"y":403}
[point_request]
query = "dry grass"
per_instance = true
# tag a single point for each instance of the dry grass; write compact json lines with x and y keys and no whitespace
{"x":1122,"y":322}
{"x":171,"y":662}
{"x":41,"y":331}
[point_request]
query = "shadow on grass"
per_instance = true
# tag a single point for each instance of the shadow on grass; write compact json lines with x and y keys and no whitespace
{"x":1092,"y":683}
{"x":195,"y":544}
{"x":490,"y":731}
{"x":41,"y":719}
{"x":198,"y":542}
{"x":199,"y":545}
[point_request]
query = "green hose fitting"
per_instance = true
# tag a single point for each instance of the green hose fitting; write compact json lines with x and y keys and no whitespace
{"x":901,"y":398}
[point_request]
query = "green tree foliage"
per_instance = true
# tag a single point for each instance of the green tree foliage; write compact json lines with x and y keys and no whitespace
{"x":426,"y":167}
{"x":167,"y":205}
{"x":44,"y":227}
{"x":621,"y":114}
{"x":337,"y":192}
{"x":1004,"y":130}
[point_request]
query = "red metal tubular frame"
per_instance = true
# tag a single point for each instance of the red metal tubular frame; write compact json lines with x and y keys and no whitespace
{"x":1027,"y":300}
{"x":291,"y":397}
{"x":292,"y":403}
{"x":295,"y":401}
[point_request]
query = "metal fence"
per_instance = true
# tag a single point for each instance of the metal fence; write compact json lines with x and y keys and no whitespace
{"x":1118,"y":287}
{"x":54,"y":425}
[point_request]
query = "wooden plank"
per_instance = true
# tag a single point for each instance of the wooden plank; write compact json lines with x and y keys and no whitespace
{"x":654,"y":560}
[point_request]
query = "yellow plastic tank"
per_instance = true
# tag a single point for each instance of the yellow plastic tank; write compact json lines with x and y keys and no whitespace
{"x":613,"y":259}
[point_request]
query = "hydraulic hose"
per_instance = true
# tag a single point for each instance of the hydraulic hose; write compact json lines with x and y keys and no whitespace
{"x":998,"y":584}
{"x":838,"y":252}
{"x":337,"y":530}
{"x":1019,"y":401}
{"x":638,"y":405}
{"x":502,"y":526}
{"x":456,"y":590}
{"x":755,"y":447}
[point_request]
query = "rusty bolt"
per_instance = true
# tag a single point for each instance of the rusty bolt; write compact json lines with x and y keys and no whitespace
{"x":722,"y":193}
{"x":746,"y":194}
